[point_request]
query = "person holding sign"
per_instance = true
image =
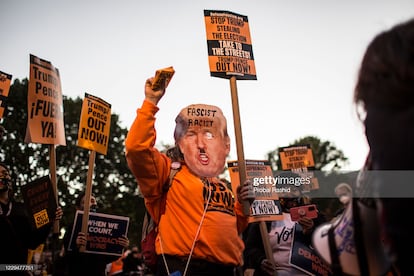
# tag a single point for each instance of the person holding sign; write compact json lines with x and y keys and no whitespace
{"x":84,"y":263}
{"x":16,"y":231}
{"x":199,"y":220}
{"x":282,"y":233}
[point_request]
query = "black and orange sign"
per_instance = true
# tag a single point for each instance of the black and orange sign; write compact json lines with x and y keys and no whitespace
{"x":5,"y":80}
{"x":39,"y":199}
{"x":44,"y":104}
{"x":95,"y":123}
{"x":296,"y":157}
{"x":299,"y":159}
{"x":230,"y":51}
{"x":266,"y":205}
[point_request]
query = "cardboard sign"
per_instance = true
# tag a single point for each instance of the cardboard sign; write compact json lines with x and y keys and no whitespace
{"x":299,"y":159}
{"x":5,"y":80}
{"x":305,"y":258}
{"x":266,"y":205}
{"x":230,"y":51}
{"x":44,"y":104}
{"x":103,"y":233}
{"x":296,"y":157}
{"x":39,"y":199}
{"x":95,"y":124}
{"x":162,"y":78}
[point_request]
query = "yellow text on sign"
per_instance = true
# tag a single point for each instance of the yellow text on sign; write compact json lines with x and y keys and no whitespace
{"x":41,"y":218}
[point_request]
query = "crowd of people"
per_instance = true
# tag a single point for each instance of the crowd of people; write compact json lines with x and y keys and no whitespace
{"x":16,"y":231}
{"x":202,"y":229}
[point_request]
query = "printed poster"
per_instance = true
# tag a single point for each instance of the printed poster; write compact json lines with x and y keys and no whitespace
{"x":230,"y":51}
{"x":299,"y":159}
{"x":296,"y":157}
{"x":103,"y":233}
{"x":5,"y":80}
{"x":95,"y":124}
{"x":305,"y":258}
{"x":40,"y":201}
{"x":266,"y":205}
{"x":44,"y":104}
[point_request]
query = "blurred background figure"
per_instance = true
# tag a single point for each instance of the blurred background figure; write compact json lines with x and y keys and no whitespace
{"x":133,"y":263}
{"x":384,"y":95}
{"x":344,"y":193}
{"x":282,"y":235}
{"x":17,"y":235}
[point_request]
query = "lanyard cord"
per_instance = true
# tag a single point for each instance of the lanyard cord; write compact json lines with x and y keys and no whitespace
{"x":196,"y":236}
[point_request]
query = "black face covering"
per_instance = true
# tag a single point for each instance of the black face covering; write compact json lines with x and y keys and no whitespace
{"x":93,"y":208}
{"x":289,"y":202}
{"x":4,"y":184}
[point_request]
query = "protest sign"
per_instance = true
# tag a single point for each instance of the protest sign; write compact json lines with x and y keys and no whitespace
{"x":95,"y":124}
{"x":299,"y":159}
{"x":305,"y":258}
{"x":103,"y":232}
{"x":266,"y":205}
{"x":44,"y":104}
{"x":294,"y":157}
{"x":230,"y":51}
{"x":162,"y":78}
{"x":5,"y":80}
{"x":39,"y":199}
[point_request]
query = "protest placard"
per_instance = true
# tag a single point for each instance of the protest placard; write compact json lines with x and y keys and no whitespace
{"x":95,"y":124}
{"x":266,"y":205}
{"x":44,"y":104}
{"x":39,"y":199}
{"x":230,"y":51}
{"x":299,"y":159}
{"x":5,"y":80}
{"x":103,"y":232}
{"x":305,"y":258}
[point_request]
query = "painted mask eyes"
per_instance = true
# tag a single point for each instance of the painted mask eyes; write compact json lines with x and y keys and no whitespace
{"x":208,"y":135}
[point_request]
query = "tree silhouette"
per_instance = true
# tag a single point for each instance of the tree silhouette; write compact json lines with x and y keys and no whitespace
{"x":113,"y":184}
{"x":327,"y":156}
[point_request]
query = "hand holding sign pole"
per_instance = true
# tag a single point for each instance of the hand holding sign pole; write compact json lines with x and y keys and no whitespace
{"x":230,"y":56}
{"x":93,"y":134}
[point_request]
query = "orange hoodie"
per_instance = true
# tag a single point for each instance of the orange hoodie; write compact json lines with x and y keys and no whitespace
{"x":219,"y":239}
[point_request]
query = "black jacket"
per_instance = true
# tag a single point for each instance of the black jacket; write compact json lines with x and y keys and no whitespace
{"x":18,"y":234}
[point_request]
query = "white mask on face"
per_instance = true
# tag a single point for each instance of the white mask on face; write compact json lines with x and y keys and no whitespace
{"x":344,"y":199}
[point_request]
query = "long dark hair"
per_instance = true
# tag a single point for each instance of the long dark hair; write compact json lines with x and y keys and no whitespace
{"x":386,"y":75}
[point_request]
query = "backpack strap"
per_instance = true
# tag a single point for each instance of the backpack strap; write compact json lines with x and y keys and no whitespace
{"x":333,"y":251}
{"x":149,"y":223}
{"x":175,"y":167}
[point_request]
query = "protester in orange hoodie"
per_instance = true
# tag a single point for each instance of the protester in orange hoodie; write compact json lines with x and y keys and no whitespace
{"x":200,"y":221}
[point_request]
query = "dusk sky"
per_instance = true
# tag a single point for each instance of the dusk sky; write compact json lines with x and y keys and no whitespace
{"x":307,"y":56}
